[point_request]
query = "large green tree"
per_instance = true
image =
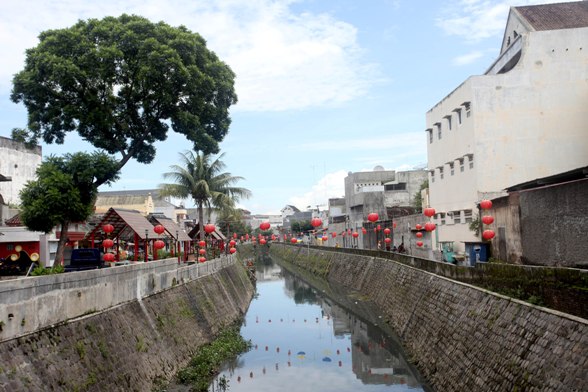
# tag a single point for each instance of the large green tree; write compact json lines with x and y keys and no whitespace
{"x":121,"y":82}
{"x":201,"y":177}
{"x":64,"y":192}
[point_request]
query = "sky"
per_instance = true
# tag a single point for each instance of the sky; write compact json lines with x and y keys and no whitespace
{"x":325,"y":87}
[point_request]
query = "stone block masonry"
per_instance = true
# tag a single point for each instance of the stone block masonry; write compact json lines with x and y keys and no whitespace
{"x":132,"y":346}
{"x":462,"y":338}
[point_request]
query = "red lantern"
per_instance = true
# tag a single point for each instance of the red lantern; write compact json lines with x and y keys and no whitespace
{"x":247,"y":237}
{"x":373,"y":217}
{"x":387,"y":231}
{"x":209,"y":228}
{"x":232,"y":243}
{"x":107,"y":243}
{"x":264,"y":226}
{"x":334,"y":235}
{"x":418,"y":226}
{"x":108,"y":228}
{"x":109,"y":257}
{"x":294,"y":240}
{"x":429,"y":212}
{"x":202,"y":251}
{"x":232,"y":250}
{"x":379,"y":227}
{"x":202,"y":259}
{"x":159,"y":244}
{"x":387,"y":240}
{"x":419,"y":243}
{"x":355,"y":234}
{"x":316,"y":222}
{"x":419,"y":234}
{"x":273,"y":237}
{"x":242,"y":238}
{"x":485,"y":204}
{"x":262,"y":241}
{"x":325,"y":238}
{"x":487,"y":219}
{"x":159,"y":229}
{"x":363,"y":230}
{"x":488,"y":234}
{"x":235,"y":235}
{"x":429,"y":226}
{"x":202,"y":244}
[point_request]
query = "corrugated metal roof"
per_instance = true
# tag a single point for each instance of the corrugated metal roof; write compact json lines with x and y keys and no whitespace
{"x":556,"y":16}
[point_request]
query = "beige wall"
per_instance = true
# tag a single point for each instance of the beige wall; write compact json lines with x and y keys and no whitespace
{"x":525,"y":124}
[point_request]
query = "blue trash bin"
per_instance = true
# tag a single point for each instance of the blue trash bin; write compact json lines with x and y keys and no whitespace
{"x":477,"y":252}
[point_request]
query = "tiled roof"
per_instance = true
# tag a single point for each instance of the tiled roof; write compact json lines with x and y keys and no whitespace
{"x":556,"y":16}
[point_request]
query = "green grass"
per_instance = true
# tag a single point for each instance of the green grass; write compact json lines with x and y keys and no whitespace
{"x":204,"y":366}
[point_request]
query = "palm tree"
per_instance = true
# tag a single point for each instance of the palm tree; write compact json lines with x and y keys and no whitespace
{"x":200,"y":177}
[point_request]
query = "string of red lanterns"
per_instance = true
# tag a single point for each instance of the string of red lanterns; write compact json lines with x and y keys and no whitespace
{"x":487,"y":220}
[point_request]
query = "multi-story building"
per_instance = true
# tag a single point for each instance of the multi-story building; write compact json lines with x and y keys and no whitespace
{"x":525,"y":118}
{"x":379,"y":191}
{"x":18,"y":166}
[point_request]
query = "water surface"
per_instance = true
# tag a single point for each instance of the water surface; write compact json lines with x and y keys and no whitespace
{"x":305,"y":341}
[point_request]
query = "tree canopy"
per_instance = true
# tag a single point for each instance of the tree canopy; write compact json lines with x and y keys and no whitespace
{"x":121,"y":82}
{"x":201,"y":177}
{"x":65,"y":191}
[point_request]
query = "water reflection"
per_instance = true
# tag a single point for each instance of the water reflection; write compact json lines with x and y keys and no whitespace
{"x":305,"y":341}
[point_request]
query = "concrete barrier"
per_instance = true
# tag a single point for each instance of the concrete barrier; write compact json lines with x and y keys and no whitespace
{"x":32,"y":303}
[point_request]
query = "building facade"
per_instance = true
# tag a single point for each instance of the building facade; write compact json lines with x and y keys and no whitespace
{"x":18,"y":166}
{"x":525,"y":118}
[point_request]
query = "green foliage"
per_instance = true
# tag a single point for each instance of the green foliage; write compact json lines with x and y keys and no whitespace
{"x":23,"y":136}
{"x":65,"y":189}
{"x":200,"y":177}
{"x":120,"y":82}
{"x":81,"y":349}
{"x":209,"y":358}
{"x":418,"y":198}
{"x":301,"y":226}
{"x":230,"y":220}
{"x":56,"y":269}
{"x":476,"y":225}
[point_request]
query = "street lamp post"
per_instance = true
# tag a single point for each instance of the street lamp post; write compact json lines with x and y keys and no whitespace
{"x":178,"y":245}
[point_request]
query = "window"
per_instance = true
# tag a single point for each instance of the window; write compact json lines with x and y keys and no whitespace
{"x":458,"y":112}
{"x":9,"y":247}
{"x":438,"y":125}
{"x":467,"y":108}
{"x":448,"y":117}
{"x":461,"y":165}
{"x":432,"y":173}
{"x":456,"y":216}
{"x":441,"y":218}
{"x":451,"y":169}
{"x":471,"y":162}
{"x":467,"y":214}
{"x":430,"y":132}
{"x":440,"y":172}
{"x":395,"y":187}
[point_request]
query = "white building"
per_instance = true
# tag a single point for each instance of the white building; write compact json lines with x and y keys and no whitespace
{"x":525,"y":118}
{"x":17,"y":167}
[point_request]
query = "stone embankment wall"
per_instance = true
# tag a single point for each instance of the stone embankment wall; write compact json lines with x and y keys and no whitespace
{"x":462,"y":338}
{"x":133,"y":345}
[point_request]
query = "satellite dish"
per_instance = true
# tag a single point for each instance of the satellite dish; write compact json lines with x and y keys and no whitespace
{"x":379,"y":168}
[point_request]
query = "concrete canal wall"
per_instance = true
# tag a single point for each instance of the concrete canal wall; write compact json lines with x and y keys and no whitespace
{"x":118,"y":329}
{"x":462,"y":338}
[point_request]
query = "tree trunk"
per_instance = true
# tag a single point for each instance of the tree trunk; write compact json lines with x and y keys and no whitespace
{"x":200,"y":221}
{"x":61,"y":244}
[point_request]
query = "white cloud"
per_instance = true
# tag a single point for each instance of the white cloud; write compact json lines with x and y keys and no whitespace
{"x":468,"y":58}
{"x":475,"y":20}
{"x":330,"y":186}
{"x":283,"y":60}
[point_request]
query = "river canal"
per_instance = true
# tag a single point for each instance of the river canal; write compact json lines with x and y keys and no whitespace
{"x":304,"y":341}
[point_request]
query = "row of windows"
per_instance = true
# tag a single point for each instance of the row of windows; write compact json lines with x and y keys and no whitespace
{"x":449,"y":121}
{"x":452,"y":169}
{"x":454,"y":217}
